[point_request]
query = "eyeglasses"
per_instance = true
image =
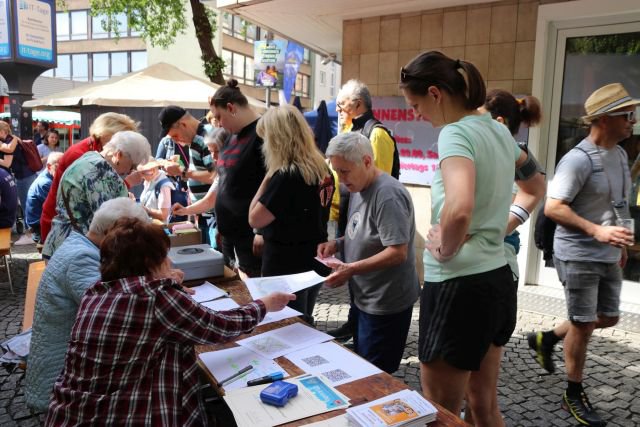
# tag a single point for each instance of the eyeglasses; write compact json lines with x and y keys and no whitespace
{"x":630,"y":115}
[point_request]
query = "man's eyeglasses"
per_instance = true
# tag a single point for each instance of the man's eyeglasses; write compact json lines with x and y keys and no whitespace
{"x":630,"y":115}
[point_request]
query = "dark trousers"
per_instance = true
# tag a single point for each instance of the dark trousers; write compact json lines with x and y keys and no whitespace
{"x":381,"y":339}
{"x":242,"y":247}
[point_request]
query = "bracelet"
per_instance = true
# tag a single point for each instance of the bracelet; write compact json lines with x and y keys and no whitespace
{"x":521,"y":214}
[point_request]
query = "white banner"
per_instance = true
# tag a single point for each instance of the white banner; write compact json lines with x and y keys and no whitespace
{"x":417,"y":140}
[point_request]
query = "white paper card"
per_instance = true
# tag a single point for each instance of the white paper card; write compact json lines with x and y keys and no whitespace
{"x":224,"y":363}
{"x":221,"y":304}
{"x":284,"y":340}
{"x":207,"y":292}
{"x":276,"y":316}
{"x":337,"y":364}
{"x":290,"y":283}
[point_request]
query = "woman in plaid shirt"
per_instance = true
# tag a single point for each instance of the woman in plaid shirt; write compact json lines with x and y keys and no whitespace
{"x":131,"y":359}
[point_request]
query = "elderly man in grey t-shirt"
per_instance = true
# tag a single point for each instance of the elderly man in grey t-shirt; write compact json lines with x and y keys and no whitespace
{"x":588,"y":198}
{"x":378,"y":252}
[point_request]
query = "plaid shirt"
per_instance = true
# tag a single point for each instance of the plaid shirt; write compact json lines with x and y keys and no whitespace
{"x":131,"y":359}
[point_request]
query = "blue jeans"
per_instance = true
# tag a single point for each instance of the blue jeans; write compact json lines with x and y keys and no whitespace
{"x":23,"y":185}
{"x":381,"y":339}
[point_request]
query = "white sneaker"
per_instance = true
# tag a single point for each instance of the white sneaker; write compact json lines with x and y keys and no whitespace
{"x":25,"y":239}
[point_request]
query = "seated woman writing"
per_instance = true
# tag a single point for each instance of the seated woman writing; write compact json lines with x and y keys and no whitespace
{"x":131,"y":357}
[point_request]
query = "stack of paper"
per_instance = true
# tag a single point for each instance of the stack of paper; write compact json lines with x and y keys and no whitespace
{"x":314,"y":397}
{"x":404,"y":408}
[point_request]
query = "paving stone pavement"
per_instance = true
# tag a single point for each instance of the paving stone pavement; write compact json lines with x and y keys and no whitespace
{"x":527,"y":396}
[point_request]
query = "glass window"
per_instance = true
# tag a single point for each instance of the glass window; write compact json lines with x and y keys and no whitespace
{"x":248,"y":70}
{"x":305,"y":85}
{"x":227,"y":57}
{"x":252,"y":32}
{"x":298,"y":86}
{"x":227,"y":23}
{"x":64,"y":67}
{"x":79,"y":25}
{"x":121,"y":19}
{"x":80,"y":67}
{"x":323,"y":78}
{"x":238,"y":67}
{"x":134,"y":33}
{"x":119,"y":64}
{"x":306,"y":56}
{"x":97,"y":32}
{"x":138,"y":60}
{"x":238,"y":27}
{"x":100,"y":66}
{"x":62,"y":26}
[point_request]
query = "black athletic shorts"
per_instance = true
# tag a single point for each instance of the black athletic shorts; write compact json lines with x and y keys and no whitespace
{"x":461,"y":317}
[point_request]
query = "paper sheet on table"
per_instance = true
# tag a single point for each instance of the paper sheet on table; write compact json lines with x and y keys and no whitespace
{"x":290,"y":283}
{"x":207,"y":292}
{"x":285,"y":340}
{"x":314,"y":397}
{"x":336,"y":363}
{"x":221,"y":304}
{"x":276,"y":316}
{"x":224,"y":363}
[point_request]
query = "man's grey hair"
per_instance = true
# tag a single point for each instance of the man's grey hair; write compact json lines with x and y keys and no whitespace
{"x":354,"y":90}
{"x":111,"y":211}
{"x":351,"y":146}
{"x":133,"y":144}
{"x":54,"y":158}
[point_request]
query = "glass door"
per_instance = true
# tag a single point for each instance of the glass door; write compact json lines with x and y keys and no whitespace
{"x":588,"y":58}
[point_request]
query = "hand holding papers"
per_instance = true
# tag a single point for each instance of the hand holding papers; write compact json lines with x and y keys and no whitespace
{"x":290,"y":283}
{"x":330,"y":261}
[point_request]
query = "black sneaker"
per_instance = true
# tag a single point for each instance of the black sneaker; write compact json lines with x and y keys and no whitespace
{"x":544,"y":353}
{"x":581,"y":409}
{"x":343,"y":333}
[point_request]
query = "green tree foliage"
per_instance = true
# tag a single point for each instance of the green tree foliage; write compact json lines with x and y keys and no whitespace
{"x":160,"y":21}
{"x":621,"y":44}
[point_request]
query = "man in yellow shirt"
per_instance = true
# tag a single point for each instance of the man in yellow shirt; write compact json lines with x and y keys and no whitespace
{"x":354,"y":108}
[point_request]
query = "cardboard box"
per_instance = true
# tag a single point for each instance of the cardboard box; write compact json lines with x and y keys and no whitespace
{"x":184,"y":237}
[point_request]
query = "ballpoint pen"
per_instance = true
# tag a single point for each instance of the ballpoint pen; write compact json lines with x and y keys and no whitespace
{"x":235,"y":376}
{"x":266,"y":380}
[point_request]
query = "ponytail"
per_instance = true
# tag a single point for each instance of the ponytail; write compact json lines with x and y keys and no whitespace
{"x":501,"y":103}
{"x":461,"y":79}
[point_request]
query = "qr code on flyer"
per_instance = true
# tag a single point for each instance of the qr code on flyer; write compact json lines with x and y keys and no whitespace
{"x":315,"y":361}
{"x":336,"y":375}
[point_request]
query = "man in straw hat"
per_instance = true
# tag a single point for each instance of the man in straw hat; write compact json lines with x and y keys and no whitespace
{"x":588,"y":198}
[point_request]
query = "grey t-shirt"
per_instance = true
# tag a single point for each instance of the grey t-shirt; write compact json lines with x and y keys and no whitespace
{"x":380,"y":216}
{"x":584,"y":185}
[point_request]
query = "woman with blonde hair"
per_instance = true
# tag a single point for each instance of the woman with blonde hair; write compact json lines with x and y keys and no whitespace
{"x":101,"y":131}
{"x":292,"y":204}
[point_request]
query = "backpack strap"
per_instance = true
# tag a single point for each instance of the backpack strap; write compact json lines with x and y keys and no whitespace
{"x":370,"y":125}
{"x":159,"y":185}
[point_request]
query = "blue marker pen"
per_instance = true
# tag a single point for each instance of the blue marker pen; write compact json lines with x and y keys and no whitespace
{"x":266,"y":380}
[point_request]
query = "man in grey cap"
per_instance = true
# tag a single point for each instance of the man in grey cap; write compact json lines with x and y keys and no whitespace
{"x":588,"y":199}
{"x":182,"y":136}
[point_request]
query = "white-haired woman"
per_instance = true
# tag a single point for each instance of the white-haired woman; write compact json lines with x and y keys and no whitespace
{"x":92,"y":180}
{"x":292,"y":204}
{"x":74,"y":267}
{"x":156,"y":194}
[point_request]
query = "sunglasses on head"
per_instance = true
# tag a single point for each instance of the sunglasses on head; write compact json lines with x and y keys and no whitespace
{"x":630,"y":115}
{"x":404,"y":76}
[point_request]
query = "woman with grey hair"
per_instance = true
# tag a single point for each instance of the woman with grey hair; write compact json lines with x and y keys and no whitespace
{"x":74,"y":267}
{"x":92,"y":180}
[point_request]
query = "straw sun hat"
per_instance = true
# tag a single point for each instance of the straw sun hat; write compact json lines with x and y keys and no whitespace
{"x":607,"y":99}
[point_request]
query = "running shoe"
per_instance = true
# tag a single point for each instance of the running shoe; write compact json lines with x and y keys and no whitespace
{"x":582,"y":411}
{"x":544,"y":353}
